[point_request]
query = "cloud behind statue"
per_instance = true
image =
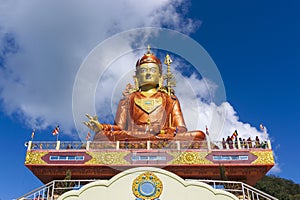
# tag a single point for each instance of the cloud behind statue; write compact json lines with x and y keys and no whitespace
{"x":202,"y":93}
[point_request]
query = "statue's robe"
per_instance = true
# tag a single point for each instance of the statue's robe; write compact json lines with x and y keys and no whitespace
{"x":148,"y":118}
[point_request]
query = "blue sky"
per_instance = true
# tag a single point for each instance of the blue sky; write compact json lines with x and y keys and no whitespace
{"x":254,"y":44}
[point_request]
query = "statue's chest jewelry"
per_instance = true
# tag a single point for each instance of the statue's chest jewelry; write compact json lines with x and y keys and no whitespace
{"x":148,"y":104}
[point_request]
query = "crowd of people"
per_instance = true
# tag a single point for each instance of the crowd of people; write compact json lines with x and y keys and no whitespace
{"x":238,"y":142}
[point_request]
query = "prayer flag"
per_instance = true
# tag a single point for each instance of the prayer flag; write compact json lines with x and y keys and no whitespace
{"x":261,"y":127}
{"x":88,"y":136}
{"x":55,"y":131}
{"x":207,"y":133}
{"x":234,"y":134}
{"x":32,"y":134}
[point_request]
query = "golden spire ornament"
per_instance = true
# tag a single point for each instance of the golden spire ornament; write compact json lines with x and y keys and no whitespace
{"x":169,"y":76}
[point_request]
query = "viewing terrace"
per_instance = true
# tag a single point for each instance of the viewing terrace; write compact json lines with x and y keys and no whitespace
{"x":148,"y":145}
{"x":49,"y":160}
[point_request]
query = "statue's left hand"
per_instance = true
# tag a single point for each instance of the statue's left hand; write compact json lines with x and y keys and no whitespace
{"x":93,"y":123}
{"x":166,"y":133}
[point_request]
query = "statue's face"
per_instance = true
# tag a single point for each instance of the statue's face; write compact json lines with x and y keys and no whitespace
{"x":148,"y":74}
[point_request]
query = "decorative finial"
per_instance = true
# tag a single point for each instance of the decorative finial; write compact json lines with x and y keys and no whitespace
{"x":148,"y":49}
{"x":168,"y":61}
{"x":169,"y":76}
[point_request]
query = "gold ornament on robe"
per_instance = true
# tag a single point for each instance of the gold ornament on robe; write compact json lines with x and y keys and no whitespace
{"x":148,"y":104}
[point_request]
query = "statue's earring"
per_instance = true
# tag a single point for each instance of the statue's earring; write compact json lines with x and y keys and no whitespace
{"x":136,"y":83}
{"x":161,"y":82}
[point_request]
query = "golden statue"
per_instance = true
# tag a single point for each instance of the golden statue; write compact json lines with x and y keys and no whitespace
{"x":148,"y":111}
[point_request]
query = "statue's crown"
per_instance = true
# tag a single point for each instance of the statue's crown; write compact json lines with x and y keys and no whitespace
{"x":149,"y":58}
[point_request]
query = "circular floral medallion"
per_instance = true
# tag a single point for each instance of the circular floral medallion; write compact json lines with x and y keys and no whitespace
{"x":147,"y":186}
{"x":189,"y":157}
{"x":107,"y":158}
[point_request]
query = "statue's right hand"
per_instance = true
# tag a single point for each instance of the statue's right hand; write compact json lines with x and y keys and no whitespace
{"x":93,"y":123}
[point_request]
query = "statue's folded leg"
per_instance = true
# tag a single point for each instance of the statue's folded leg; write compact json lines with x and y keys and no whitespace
{"x":141,"y":136}
{"x":190,"y":136}
{"x":99,"y":136}
{"x":123,"y":136}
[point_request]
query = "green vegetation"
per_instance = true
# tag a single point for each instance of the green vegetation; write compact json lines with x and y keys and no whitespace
{"x":280,"y":188}
{"x":222,"y":173}
{"x":66,"y":185}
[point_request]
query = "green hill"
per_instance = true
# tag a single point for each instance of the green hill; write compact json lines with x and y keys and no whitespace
{"x":280,"y":188}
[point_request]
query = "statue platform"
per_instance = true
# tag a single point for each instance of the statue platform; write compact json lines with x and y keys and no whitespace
{"x":190,"y":160}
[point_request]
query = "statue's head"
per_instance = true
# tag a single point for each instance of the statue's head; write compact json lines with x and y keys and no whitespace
{"x":148,"y":70}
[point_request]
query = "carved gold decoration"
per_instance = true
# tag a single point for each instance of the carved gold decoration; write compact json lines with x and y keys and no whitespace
{"x":189,"y":158}
{"x":35,"y":157}
{"x":136,"y":84}
{"x":147,"y":186}
{"x":162,"y":89}
{"x":263,"y":157}
{"x":107,"y":158}
{"x":161,"y":83}
{"x":148,"y":104}
{"x":128,"y":90}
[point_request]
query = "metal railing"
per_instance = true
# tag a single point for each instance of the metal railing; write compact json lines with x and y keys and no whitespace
{"x":147,"y":145}
{"x":54,"y":189}
{"x":239,"y":189}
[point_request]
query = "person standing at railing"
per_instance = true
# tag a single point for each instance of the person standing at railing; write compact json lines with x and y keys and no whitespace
{"x":224,"y":143}
{"x":244,"y":143}
{"x":257,"y":143}
{"x":241,"y":143}
{"x":229,"y":142}
{"x":249,"y":142}
{"x":69,"y":146}
{"x":264,"y":144}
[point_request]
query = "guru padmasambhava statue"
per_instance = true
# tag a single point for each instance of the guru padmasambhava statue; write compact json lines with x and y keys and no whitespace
{"x":149,"y":111}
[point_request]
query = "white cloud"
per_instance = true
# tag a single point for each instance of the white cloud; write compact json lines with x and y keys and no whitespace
{"x":275,"y":169}
{"x":221,"y":120}
{"x":52,"y":39}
